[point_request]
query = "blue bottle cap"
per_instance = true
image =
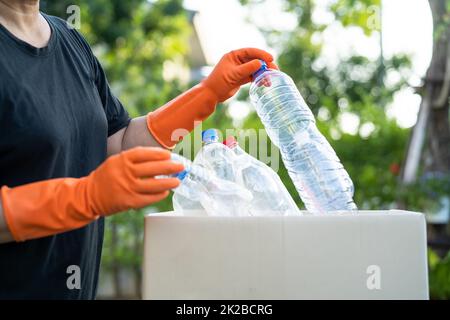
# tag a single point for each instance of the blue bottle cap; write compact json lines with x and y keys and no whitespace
{"x":210,"y":135}
{"x":181,"y":175}
{"x":260,"y":70}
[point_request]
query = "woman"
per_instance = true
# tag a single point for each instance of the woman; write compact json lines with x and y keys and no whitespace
{"x":70,"y":155}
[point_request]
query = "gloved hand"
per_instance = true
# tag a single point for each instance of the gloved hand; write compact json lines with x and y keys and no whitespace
{"x":124,"y":181}
{"x":178,"y":117}
{"x":235,"y":69}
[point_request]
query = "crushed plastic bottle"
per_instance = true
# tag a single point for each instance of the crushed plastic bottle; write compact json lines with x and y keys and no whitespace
{"x":219,"y":159}
{"x":316,"y":171}
{"x":215,"y":156}
{"x":270,"y":196}
{"x":200,"y":188}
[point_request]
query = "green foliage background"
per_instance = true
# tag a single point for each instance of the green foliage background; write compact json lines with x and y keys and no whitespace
{"x":134,"y":38}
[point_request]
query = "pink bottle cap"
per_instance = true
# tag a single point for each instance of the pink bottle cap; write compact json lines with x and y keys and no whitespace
{"x":230,"y":142}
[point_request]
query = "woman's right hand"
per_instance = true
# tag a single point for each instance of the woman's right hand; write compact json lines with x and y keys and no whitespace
{"x":124,"y":181}
{"x":127,"y":180}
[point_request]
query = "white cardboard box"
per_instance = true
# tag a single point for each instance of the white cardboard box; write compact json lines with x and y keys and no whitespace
{"x":364,"y":255}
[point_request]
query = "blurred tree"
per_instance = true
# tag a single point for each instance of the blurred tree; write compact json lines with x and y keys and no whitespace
{"x":428,"y":153}
{"x":439,"y":276}
{"x":132,"y":39}
{"x":354,"y":87}
{"x":427,"y":163}
{"x":433,"y":129}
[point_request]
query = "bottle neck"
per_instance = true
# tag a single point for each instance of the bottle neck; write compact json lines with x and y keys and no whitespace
{"x":237,"y":150}
{"x":206,"y":143}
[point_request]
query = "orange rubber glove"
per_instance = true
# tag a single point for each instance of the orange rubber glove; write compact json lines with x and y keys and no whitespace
{"x":124,"y":181}
{"x":195,"y":105}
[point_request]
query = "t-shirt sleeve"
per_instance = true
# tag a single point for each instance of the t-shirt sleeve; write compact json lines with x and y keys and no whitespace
{"x":116,"y":114}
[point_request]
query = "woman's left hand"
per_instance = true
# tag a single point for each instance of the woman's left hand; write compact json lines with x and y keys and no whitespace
{"x":235,"y":69}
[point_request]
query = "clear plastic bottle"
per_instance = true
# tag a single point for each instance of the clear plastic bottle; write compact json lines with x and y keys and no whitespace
{"x":188,"y":195}
{"x":200,"y":188}
{"x":269,"y":193}
{"x":215,"y":156}
{"x":220,"y":160}
{"x":318,"y":175}
{"x":187,"y":164}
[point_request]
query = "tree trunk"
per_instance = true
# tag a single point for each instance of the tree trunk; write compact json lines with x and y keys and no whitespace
{"x":429,"y":143}
{"x":430,"y":138}
{"x":437,"y":142}
{"x":432,"y":127}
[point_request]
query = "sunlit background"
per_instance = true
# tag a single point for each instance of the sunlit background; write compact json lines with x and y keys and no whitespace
{"x":359,"y":64}
{"x":406,"y":27}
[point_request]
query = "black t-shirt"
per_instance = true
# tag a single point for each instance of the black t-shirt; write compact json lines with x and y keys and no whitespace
{"x":56,"y":112}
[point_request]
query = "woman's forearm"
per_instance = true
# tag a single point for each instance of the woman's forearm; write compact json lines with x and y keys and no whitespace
{"x":134,"y":135}
{"x":5,"y":234}
{"x":137,"y":134}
